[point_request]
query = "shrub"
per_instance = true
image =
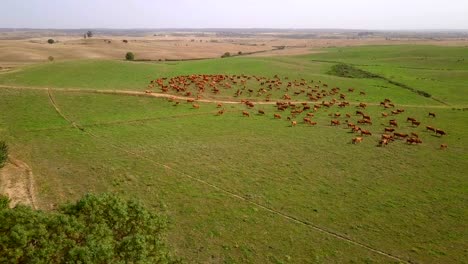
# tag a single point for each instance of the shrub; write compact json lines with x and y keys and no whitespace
{"x":3,"y":153}
{"x":130,"y":56}
{"x":96,"y":229}
{"x":226,"y":54}
{"x":51,"y":58}
{"x":125,"y":41}
{"x":89,"y":34}
{"x":239,"y":53}
{"x":50,"y":41}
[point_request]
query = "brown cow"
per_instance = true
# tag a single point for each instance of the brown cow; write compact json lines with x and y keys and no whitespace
{"x":432,"y":114}
{"x":357,"y":140}
{"x":310,"y":114}
{"x":220,"y":105}
{"x":388,"y":129}
{"x":245,"y":113}
{"x":196,"y":106}
{"x":278,"y":116}
{"x":190,"y":100}
{"x":400,"y":135}
{"x":413,"y":140}
{"x":334,"y":122}
{"x":293,"y":123}
{"x":415,"y":123}
{"x":384,"y":114}
{"x":414,"y":135}
{"x":220,"y":112}
{"x":366,"y":132}
{"x":443,"y":146}
{"x":261,"y":112}
{"x":312,"y":123}
{"x":383,"y":142}
{"x":306,"y":120}
{"x":393,"y":122}
{"x":440,"y":132}
{"x":410,"y":119}
{"x":430,"y":128}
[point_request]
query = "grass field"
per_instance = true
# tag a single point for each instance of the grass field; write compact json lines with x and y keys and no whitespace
{"x":254,"y":189}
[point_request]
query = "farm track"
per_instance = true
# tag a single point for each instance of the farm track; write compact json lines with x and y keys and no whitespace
{"x":176,"y":97}
{"x":286,"y":216}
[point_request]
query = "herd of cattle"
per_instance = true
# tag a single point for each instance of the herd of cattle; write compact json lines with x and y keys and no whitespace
{"x":296,"y":98}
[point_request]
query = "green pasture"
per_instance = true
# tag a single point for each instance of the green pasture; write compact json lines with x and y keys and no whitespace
{"x":255,"y":189}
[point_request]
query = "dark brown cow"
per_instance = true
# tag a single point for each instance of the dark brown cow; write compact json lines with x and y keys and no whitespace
{"x":277,"y":116}
{"x":388,"y":129}
{"x":220,"y":105}
{"x":440,"y":132}
{"x":413,"y":140}
{"x":432,"y":114}
{"x":410,"y":119}
{"x":383,"y":142}
{"x":366,"y":132}
{"x":245,"y":113}
{"x":334,"y":122}
{"x":430,"y":128}
{"x":415,"y":123}
{"x":393,"y":122}
{"x":261,"y":112}
{"x":400,"y":135}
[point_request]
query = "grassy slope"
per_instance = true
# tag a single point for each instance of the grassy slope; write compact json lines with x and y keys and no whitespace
{"x":441,"y":71}
{"x":407,"y":200}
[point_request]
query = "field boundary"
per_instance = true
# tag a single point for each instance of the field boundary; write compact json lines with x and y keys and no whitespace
{"x":230,"y":193}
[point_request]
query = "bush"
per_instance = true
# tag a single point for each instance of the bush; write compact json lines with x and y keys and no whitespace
{"x":125,"y":41}
{"x":3,"y":153}
{"x":51,"y":58}
{"x":50,"y":41}
{"x":226,"y":54}
{"x":239,"y":53}
{"x":130,"y":56}
{"x":96,"y":229}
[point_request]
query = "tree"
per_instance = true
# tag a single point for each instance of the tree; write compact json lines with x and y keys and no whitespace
{"x":50,"y":41}
{"x":96,"y":229}
{"x":3,"y":153}
{"x":89,"y":34}
{"x":226,"y":54}
{"x":130,"y":56}
{"x":51,"y":58}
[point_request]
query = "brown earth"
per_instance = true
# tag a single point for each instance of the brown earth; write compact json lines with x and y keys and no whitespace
{"x":18,"y":52}
{"x":17,"y":182}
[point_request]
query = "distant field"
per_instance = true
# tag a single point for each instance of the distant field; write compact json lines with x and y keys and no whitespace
{"x":255,"y":189}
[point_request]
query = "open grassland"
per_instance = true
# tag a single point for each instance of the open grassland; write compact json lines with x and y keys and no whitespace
{"x":253,"y":189}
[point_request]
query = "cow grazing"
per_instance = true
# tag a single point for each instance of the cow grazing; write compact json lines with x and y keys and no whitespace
{"x":220,"y":105}
{"x":261,"y":112}
{"x":414,"y":135}
{"x":384,"y":114}
{"x":245,"y":113}
{"x":432,"y":114}
{"x":196,"y":106}
{"x":388,"y":129}
{"x":415,"y":123}
{"x":430,"y":128}
{"x":312,"y":123}
{"x":357,"y":140}
{"x":334,"y":122}
{"x":443,"y":146}
{"x":410,"y":119}
{"x":440,"y":132}
{"x":412,"y":140}
{"x":293,"y":123}
{"x":277,"y":116}
{"x":366,"y":132}
{"x":400,"y":135}
{"x":190,"y":100}
{"x":393,"y":122}
{"x":221,"y":112}
{"x":383,"y":142}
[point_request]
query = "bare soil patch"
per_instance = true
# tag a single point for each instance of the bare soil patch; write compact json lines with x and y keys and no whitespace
{"x":17,"y":183}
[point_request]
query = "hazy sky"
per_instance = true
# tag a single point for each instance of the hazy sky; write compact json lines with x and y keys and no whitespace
{"x":354,"y":14}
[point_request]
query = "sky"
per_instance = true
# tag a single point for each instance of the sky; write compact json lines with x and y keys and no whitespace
{"x":336,"y":14}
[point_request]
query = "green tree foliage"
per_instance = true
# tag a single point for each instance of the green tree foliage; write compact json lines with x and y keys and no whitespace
{"x":3,"y":153}
{"x":96,"y":229}
{"x":226,"y":54}
{"x":50,"y":41}
{"x":130,"y":56}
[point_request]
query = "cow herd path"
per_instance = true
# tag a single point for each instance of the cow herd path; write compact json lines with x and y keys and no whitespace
{"x":202,"y":100}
